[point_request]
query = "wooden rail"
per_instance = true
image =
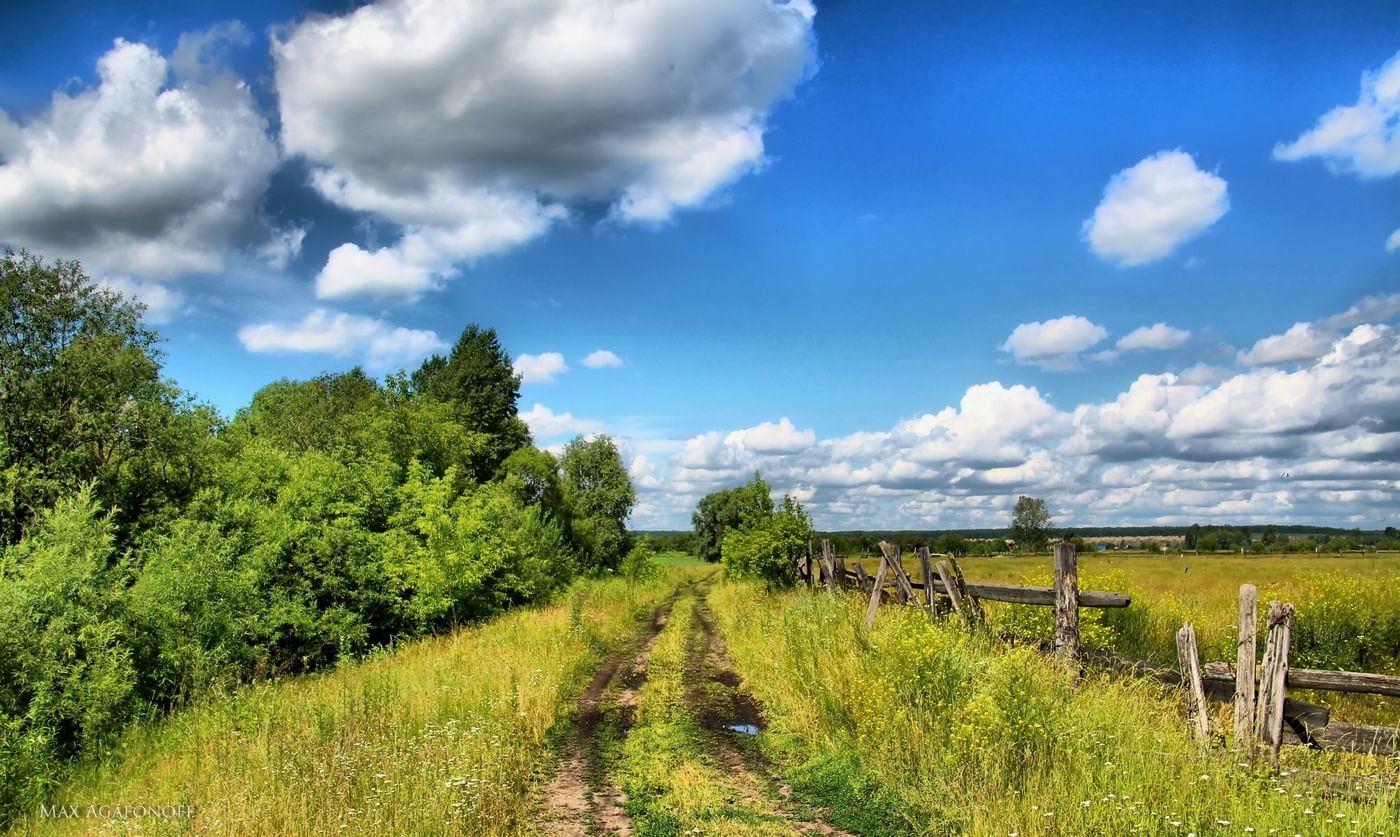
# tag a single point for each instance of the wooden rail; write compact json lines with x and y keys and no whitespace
{"x":1017,"y":594}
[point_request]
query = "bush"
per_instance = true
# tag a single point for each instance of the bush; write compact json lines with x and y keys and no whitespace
{"x":640,"y":562}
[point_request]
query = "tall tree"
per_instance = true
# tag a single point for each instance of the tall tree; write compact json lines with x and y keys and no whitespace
{"x":1030,"y":522}
{"x":600,"y":496}
{"x":82,"y":399}
{"x":480,"y":381}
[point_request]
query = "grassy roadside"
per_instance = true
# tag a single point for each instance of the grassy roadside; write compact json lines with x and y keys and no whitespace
{"x":915,"y":728}
{"x":443,"y":736}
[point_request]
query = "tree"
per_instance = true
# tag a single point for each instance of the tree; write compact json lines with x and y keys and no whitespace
{"x":599,"y":496}
{"x":82,"y":401}
{"x":767,"y":546}
{"x":720,"y":511}
{"x":1030,"y":523}
{"x":480,"y":381}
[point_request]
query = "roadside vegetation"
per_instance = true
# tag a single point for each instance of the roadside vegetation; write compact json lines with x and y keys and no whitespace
{"x":153,"y":552}
{"x":921,"y":728}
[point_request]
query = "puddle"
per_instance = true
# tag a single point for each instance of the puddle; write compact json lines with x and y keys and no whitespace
{"x":746,"y":729}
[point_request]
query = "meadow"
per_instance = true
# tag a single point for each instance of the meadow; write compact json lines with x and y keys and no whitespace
{"x":446,"y":735}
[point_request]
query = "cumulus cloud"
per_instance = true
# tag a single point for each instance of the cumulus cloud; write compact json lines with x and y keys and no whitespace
{"x":1150,"y":208}
{"x":476,"y":126}
{"x":136,"y":176}
{"x":1304,"y":341}
{"x":1158,"y":336}
{"x":1392,"y":242}
{"x":770,"y":438}
{"x":1053,"y":344}
{"x":541,"y":368}
{"x":379,"y":344}
{"x":1363,"y":138}
{"x":283,"y":246}
{"x":546,"y":424}
{"x":600,"y":359}
{"x":1371,"y":309}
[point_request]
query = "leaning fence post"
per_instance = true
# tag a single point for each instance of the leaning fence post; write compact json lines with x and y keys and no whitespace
{"x":950,"y":586}
{"x":840,"y":564}
{"x":875,"y":592}
{"x":1189,"y":659}
{"x":1245,"y":654}
{"x":1066,"y":602}
{"x":970,"y":600}
{"x":1268,"y":714}
{"x":901,"y":578}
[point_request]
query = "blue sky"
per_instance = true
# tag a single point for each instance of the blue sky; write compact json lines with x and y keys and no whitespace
{"x":910,"y":260}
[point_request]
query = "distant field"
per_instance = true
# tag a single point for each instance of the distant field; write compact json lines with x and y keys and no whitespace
{"x":676,"y":558}
{"x":1347,"y":606}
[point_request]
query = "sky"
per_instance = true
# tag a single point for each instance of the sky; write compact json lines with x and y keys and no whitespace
{"x":908,"y":260}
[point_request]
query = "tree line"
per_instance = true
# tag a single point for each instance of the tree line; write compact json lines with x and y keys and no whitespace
{"x":152,"y":550}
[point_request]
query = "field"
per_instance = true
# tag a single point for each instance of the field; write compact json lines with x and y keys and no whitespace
{"x":689,"y":704}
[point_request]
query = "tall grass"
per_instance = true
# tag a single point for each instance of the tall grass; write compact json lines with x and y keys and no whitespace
{"x":443,"y":736}
{"x":923,"y":728}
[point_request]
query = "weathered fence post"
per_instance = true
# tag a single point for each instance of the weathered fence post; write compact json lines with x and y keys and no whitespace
{"x":926,"y":569}
{"x":828,"y":567}
{"x":970,"y":600}
{"x":840,"y":564}
{"x":1245,"y":654}
{"x":901,"y":578}
{"x":875,"y":592}
{"x":1066,"y":602}
{"x":1268,"y":717}
{"x":1189,"y":658}
{"x":862,"y":577}
{"x":955,"y":593}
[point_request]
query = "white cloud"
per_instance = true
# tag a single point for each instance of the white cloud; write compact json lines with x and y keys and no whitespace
{"x":541,"y":368}
{"x":1053,"y":344}
{"x":1371,"y":309}
{"x":474,"y":126}
{"x":1150,"y":208}
{"x":1157,"y":336}
{"x":136,"y":177}
{"x":162,"y":302}
{"x":544,"y":423}
{"x":379,"y":344}
{"x":600,"y":359}
{"x":770,"y":438}
{"x":1304,"y":341}
{"x":1363,"y":138}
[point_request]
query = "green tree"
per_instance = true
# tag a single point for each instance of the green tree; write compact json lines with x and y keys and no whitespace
{"x":767,"y":546}
{"x":82,"y":402}
{"x":1030,"y":523}
{"x":721,"y":511}
{"x":599,"y":496}
{"x":480,"y":381}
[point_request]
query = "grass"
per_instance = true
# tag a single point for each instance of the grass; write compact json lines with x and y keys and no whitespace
{"x":442,"y":736}
{"x":920,"y":728}
{"x":666,"y":768}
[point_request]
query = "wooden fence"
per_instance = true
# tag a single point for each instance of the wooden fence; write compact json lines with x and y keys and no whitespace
{"x":1265,"y":717}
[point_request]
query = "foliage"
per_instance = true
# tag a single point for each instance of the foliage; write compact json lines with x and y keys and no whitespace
{"x":600,"y":496}
{"x":767,"y":547}
{"x":640,"y":561}
{"x":1030,"y":523}
{"x":721,"y":511}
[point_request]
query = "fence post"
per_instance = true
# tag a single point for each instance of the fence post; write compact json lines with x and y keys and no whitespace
{"x":1066,"y":602}
{"x":970,"y":601}
{"x":1268,"y":714}
{"x":1189,"y":658}
{"x":875,"y":592}
{"x":828,"y":567}
{"x":1245,"y":654}
{"x":901,"y":578}
{"x":926,"y":568}
{"x":862,"y":577}
{"x":840,"y":564}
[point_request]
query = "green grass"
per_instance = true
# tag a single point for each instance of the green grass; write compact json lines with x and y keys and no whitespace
{"x":921,"y":728}
{"x":676,"y":559}
{"x":443,"y":736}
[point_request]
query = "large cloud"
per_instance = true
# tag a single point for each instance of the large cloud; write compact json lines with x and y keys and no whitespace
{"x":474,"y":126}
{"x":379,"y":344}
{"x":138,"y":177}
{"x":541,"y":368}
{"x":1150,"y":208}
{"x":1363,"y":138}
